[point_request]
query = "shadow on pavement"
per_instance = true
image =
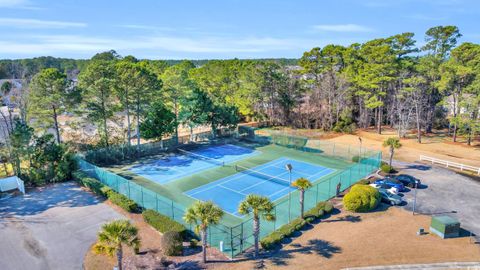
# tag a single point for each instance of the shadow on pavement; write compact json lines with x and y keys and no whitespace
{"x":67,"y":194}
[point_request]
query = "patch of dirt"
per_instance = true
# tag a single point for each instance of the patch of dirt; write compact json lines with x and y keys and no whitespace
{"x":434,"y":146}
{"x":385,"y":237}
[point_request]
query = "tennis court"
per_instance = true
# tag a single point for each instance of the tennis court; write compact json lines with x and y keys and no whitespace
{"x":271,"y":179}
{"x":175,"y":166}
{"x":226,"y":171}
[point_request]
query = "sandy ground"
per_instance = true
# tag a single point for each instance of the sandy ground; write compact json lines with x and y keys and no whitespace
{"x":385,"y":237}
{"x":437,"y":146}
{"x":378,"y":238}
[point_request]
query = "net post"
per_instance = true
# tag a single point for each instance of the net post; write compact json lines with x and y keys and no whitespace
{"x":128,"y":184}
{"x":316,"y":194}
{"x":173,"y":211}
{"x":156,"y":202}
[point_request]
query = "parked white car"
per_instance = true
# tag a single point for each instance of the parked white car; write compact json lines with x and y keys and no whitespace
{"x":391,"y":190}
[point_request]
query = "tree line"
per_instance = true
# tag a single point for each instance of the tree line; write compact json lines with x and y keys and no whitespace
{"x":386,"y":81}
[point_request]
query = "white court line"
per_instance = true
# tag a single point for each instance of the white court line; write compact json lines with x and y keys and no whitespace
{"x":302,"y":172}
{"x":271,"y":195}
{"x":320,"y":177}
{"x":261,"y":181}
{"x":236,"y":191}
{"x":232,"y":177}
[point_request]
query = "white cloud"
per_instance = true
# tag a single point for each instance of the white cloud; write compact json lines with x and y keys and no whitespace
{"x":146,"y":27}
{"x":35,"y":45}
{"x":13,"y":3}
{"x":18,"y":4}
{"x":342,"y":28}
{"x":34,"y":23}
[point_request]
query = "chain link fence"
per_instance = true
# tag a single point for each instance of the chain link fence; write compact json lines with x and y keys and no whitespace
{"x":233,"y":240}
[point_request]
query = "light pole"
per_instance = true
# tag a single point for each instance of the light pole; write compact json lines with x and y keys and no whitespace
{"x":360,"y":150}
{"x":415,"y":197}
{"x":289,"y":168}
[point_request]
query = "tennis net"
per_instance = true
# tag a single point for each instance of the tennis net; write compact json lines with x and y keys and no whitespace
{"x":262,"y":175}
{"x":202,"y":157}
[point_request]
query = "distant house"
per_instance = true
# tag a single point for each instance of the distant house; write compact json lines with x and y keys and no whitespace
{"x":7,"y":98}
{"x":451,"y":103}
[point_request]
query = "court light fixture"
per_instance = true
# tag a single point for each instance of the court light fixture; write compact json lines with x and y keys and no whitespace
{"x":289,"y":167}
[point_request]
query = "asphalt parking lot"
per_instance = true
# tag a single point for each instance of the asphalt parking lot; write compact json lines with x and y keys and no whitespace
{"x":444,"y":192}
{"x":50,"y":228}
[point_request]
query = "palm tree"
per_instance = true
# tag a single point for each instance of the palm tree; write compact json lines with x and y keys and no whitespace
{"x":393,"y":143}
{"x":203,"y":214}
{"x":260,"y":207}
{"x":302,"y":184}
{"x":113,"y":236}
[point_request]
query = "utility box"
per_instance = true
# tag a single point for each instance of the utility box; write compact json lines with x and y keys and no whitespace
{"x":445,"y":226}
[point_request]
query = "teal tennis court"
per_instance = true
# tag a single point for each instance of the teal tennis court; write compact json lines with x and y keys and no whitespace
{"x":175,"y":166}
{"x":271,"y":179}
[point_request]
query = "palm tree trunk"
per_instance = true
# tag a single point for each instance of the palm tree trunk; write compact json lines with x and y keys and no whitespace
{"x":391,"y":156}
{"x":256,"y":233}
{"x":119,"y":257}
{"x":204,"y":245}
{"x":302,"y":197}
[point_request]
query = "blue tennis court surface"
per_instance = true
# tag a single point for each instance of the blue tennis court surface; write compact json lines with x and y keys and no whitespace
{"x":173,"y":167}
{"x":228,"y":192}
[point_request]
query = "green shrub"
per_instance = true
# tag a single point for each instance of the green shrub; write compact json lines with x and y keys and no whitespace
{"x":106,"y":190}
{"x":328,"y":207}
{"x":172,"y":243}
{"x":193,"y":243}
{"x":361,"y":198}
{"x":91,"y":183}
{"x":356,"y":158}
{"x":387,"y":168}
{"x":274,"y":238}
{"x":123,"y":201}
{"x":364,"y":182}
{"x":163,"y":223}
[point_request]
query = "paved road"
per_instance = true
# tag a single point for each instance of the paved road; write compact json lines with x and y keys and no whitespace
{"x":50,"y":229}
{"x":444,"y":191}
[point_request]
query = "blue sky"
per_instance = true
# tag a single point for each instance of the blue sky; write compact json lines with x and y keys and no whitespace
{"x":217,"y":29}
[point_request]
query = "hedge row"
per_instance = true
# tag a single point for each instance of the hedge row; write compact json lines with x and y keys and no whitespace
{"x":123,"y":201}
{"x":318,"y":211}
{"x":100,"y":189}
{"x":91,"y":183}
{"x":163,"y":223}
{"x":276,"y":237}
